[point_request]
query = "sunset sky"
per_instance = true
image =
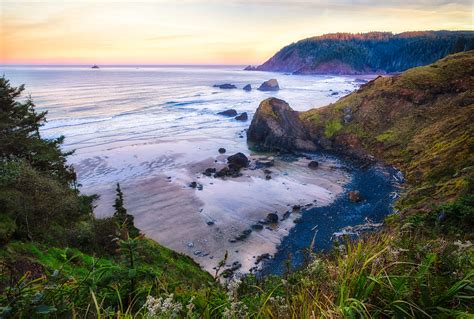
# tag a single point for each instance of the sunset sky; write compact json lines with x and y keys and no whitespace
{"x":199,"y":31}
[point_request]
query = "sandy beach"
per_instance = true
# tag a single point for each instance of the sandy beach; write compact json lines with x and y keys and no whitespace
{"x":203,"y":223}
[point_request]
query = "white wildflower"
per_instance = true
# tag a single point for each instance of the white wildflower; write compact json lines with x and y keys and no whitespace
{"x":162,"y":308}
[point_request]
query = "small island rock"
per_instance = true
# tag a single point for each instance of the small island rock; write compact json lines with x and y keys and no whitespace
{"x":225,"y":86}
{"x":230,"y":112}
{"x":242,"y":117}
{"x":270,"y":85}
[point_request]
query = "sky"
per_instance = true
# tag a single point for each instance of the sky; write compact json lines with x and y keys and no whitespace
{"x":199,"y":31}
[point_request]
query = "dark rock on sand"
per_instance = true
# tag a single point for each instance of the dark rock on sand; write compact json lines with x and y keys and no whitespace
{"x":270,"y":85}
{"x":354,"y":196}
{"x":264,"y":163}
{"x":229,"y":113}
{"x":262,"y":257}
{"x":272,"y":218}
{"x":275,"y":126}
{"x":193,"y":184}
{"x":225,"y":86}
{"x":238,"y":161}
{"x":313,"y":164}
{"x":257,"y":227}
{"x":223,"y":172}
{"x":209,"y":171}
{"x":210,"y":223}
{"x":242,"y":117}
{"x":222,"y":150}
{"x":248,"y":87}
{"x":268,"y":177}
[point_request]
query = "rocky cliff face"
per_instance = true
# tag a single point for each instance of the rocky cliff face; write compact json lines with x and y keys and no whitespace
{"x":420,"y":121}
{"x":374,"y":52}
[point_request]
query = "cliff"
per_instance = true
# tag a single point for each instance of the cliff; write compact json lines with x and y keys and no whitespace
{"x":374,"y":52}
{"x":420,"y":121}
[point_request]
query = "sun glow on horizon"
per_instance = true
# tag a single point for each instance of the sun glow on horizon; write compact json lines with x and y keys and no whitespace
{"x":198,"y":31}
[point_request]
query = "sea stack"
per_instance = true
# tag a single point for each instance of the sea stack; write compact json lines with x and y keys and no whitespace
{"x":270,"y":85}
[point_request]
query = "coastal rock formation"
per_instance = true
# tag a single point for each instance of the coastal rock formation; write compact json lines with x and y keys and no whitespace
{"x":354,"y":196}
{"x":313,"y":164}
{"x":415,"y":120}
{"x":248,"y":87}
{"x":226,"y":86}
{"x":270,"y":85}
{"x":373,"y":52}
{"x":238,"y":161}
{"x":242,"y":117}
{"x":221,"y":150}
{"x":275,"y":126}
{"x":229,"y":113}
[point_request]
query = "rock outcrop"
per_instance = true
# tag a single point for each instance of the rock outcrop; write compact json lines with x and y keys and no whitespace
{"x":242,"y":117}
{"x":229,"y":113}
{"x":420,"y":121}
{"x":270,"y":85}
{"x":225,"y":86}
{"x":238,"y":161}
{"x":248,"y":87}
{"x":275,"y":126}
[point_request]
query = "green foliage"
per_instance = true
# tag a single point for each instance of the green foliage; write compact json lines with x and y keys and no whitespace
{"x":332,"y":127}
{"x":369,"y":52}
{"x":20,"y":137}
{"x":125,"y":220}
{"x":41,"y":206}
{"x":385,"y":136}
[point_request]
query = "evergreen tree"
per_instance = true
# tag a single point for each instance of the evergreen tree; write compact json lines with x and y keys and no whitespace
{"x":20,"y":137}
{"x":124,"y":219}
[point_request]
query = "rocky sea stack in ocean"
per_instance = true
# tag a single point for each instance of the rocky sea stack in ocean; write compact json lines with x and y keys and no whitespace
{"x":275,"y":126}
{"x":270,"y":85}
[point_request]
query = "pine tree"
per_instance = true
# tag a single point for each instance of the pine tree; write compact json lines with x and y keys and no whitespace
{"x":20,"y":137}
{"x":123,"y":218}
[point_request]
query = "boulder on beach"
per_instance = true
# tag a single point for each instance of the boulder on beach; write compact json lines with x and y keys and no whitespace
{"x":222,"y":150}
{"x":270,"y":85}
{"x":354,"y":196}
{"x":242,"y":117}
{"x":275,"y":126}
{"x":313,"y":164}
{"x":248,"y":87}
{"x":225,"y":86}
{"x":209,"y":171}
{"x":230,"y":112}
{"x":272,"y":218}
{"x":238,"y":160}
{"x":264,"y":163}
